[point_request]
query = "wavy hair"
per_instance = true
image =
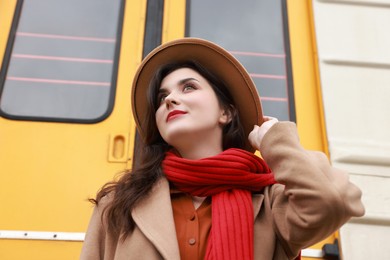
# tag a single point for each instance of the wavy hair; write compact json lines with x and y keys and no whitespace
{"x":136,"y":184}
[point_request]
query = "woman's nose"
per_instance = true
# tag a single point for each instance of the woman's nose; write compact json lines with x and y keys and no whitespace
{"x":171,"y":99}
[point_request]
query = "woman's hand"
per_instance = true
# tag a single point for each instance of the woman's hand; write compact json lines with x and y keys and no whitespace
{"x":256,"y":135}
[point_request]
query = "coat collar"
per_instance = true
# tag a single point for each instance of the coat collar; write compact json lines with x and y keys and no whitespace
{"x":154,"y":218}
{"x":257,"y":201}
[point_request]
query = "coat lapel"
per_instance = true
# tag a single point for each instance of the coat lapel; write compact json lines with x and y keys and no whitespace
{"x":154,"y":218}
{"x":257,"y":200}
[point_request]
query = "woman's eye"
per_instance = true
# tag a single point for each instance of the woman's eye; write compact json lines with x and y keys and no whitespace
{"x":188,"y":87}
{"x":161,"y":99}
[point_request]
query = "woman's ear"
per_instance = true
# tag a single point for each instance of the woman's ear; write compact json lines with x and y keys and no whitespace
{"x":226,"y":116}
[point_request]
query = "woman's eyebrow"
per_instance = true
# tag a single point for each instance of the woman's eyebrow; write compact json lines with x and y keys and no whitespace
{"x":183,"y":81}
{"x":180,"y":82}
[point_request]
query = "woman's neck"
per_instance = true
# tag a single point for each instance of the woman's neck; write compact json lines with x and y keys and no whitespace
{"x":197,"y":201}
{"x":196,"y":153}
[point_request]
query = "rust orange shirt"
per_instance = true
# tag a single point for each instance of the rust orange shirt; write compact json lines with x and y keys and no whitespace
{"x":192,"y":225}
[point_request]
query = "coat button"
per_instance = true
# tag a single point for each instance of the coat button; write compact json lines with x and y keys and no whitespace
{"x":192,"y":241}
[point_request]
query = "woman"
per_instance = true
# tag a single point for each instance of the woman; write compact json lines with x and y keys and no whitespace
{"x":198,"y":191}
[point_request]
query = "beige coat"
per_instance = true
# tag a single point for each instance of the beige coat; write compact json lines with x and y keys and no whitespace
{"x":312,"y":200}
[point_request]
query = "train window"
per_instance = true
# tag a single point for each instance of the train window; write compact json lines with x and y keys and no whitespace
{"x":61,"y":60}
{"x":256,"y":33}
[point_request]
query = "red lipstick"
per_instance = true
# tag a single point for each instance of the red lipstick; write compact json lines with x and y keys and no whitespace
{"x":174,"y":114}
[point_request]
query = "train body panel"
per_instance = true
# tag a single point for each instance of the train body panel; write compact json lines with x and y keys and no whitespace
{"x":51,"y":163}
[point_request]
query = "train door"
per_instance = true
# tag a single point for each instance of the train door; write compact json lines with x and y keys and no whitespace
{"x":65,"y":125}
{"x":58,"y":147}
{"x":275,"y":41}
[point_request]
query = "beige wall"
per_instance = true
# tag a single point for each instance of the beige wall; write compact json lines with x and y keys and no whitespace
{"x":354,"y":59}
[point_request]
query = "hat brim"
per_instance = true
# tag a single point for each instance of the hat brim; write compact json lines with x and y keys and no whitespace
{"x":215,"y":59}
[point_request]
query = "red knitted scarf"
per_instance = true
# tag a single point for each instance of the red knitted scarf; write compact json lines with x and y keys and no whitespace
{"x":229,"y":178}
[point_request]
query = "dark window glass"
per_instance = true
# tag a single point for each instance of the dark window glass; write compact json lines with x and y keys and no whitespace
{"x":254,"y":32}
{"x":62,"y":60}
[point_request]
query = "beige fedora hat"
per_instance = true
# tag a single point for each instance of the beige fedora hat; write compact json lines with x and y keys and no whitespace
{"x":214,"y":58}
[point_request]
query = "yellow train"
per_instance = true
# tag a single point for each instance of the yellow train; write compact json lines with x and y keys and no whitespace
{"x":65,"y":118}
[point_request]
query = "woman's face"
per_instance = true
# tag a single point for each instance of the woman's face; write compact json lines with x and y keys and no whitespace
{"x":189,"y":113}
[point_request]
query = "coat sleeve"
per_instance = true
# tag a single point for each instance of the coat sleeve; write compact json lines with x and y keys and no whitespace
{"x":314,"y":200}
{"x":94,"y":242}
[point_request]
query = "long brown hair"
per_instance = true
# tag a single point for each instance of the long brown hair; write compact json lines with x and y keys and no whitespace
{"x":136,"y":184}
